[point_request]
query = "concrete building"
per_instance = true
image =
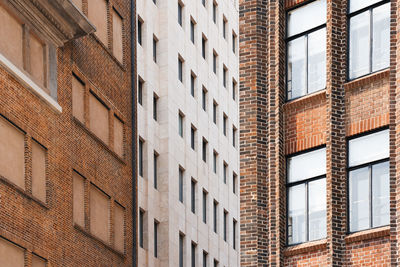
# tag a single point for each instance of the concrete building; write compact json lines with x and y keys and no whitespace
{"x":319,"y":113}
{"x":67,"y":183}
{"x":188,"y":123}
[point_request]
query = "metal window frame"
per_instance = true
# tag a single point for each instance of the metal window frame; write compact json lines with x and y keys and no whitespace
{"x":369,"y":9}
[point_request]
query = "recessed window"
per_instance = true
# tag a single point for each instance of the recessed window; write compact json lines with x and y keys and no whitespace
{"x":139,"y":29}
{"x":306,"y":193}
{"x":234,"y":183}
{"x":155,"y":170}
{"x":180,"y":124}
{"x":224,"y":26}
{"x":117,"y":22}
{"x":141,"y":228}
{"x":234,"y":134}
{"x":369,"y":37}
{"x":204,"y":99}
{"x":203,"y":46}
{"x":193,"y":256}
{"x":234,"y":229}
{"x":180,"y":13}
{"x":141,"y":157}
{"x":180,"y":69}
{"x":224,"y":124}
{"x":181,"y":249}
{"x":215,"y":106}
{"x":156,"y":223}
{"x":181,"y":173}
{"x":233,"y":42}
{"x":234,"y":89}
{"x":214,"y":12}
{"x":97,"y":14}
{"x":205,"y":144}
{"x":225,"y":226}
{"x":205,"y":258}
{"x":193,"y":196}
{"x":306,"y":49}
{"x":368,"y":174}
{"x":192,"y":83}
{"x":215,"y":161}
{"x":225,"y":174}
{"x":192,"y":30}
{"x":155,"y":107}
{"x":215,"y":263}
{"x":140,"y":91}
{"x":155,"y":2}
{"x":224,"y":76}
{"x":215,"y":62}
{"x":204,"y":206}
{"x":193,"y":137}
{"x":203,"y":2}
{"x":215,"y":222}
{"x":155,"y":41}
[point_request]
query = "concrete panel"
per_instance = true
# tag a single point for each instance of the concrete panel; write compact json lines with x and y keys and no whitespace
{"x":37,"y":58}
{"x":78,"y":90}
{"x":118,"y":137}
{"x":97,"y":14}
{"x":38,"y":171}
{"x":99,"y":214}
{"x":78,"y":194}
{"x":117,"y":36}
{"x":11,"y":38}
{"x":12,"y":153}
{"x":119,"y":227}
{"x":98,"y":118}
{"x":11,"y":255}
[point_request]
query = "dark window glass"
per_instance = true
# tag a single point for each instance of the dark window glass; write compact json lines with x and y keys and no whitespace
{"x":193,"y":196}
{"x":234,"y":181}
{"x":181,"y":185}
{"x":192,"y":84}
{"x":204,"y":150}
{"x":203,"y":47}
{"x":214,"y":63}
{"x":141,"y":221}
{"x":215,"y":223}
{"x":180,"y":13}
{"x":181,"y":248}
{"x":193,"y":255}
{"x":204,"y":207}
{"x":203,"y":2}
{"x":180,"y":124}
{"x":234,"y":233}
{"x":234,"y":42}
{"x":192,"y":31}
{"x":180,"y":69}
{"x":140,"y":24}
{"x":205,"y":258}
{"x":215,"y":12}
{"x":234,"y":136}
{"x":155,"y":169}
{"x":225,"y":172}
{"x":140,"y":92}
{"x":215,"y":112}
{"x":140,"y":157}
{"x":155,"y":239}
{"x":224,"y":76}
{"x":204,"y":99}
{"x":192,"y":137}
{"x":224,"y":126}
{"x":215,"y":156}
{"x":224,"y":22}
{"x":155,"y":100}
{"x":234,"y":90}
{"x":155,"y":50}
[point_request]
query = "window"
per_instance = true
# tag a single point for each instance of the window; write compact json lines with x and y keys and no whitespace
{"x":215,"y":56}
{"x":215,"y":263}
{"x":234,"y":130}
{"x":205,"y":258}
{"x":215,"y":159}
{"x":215,"y":222}
{"x":215,"y":105}
{"x":140,"y":91}
{"x":234,"y":42}
{"x":155,"y":41}
{"x":215,"y":12}
{"x":193,"y":196}
{"x":225,"y":174}
{"x":204,"y":206}
{"x":141,"y":228}
{"x":97,"y":14}
{"x":368,"y":174}
{"x":180,"y":184}
{"x":193,"y":258}
{"x":234,"y":83}
{"x":225,"y":225}
{"x":192,"y":137}
{"x":234,"y":226}
{"x":234,"y":181}
{"x":306,"y":192}
{"x":306,"y":49}
{"x":369,"y":37}
{"x":224,"y":76}
{"x":224,"y":23}
{"x":156,"y":223}
{"x":155,"y":102}
{"x":117,"y":35}
{"x":99,"y":118}
{"x":141,"y":157}
{"x":204,"y":99}
{"x":203,"y":2}
{"x":180,"y":9}
{"x":203,"y":46}
{"x":99,"y":213}
{"x":180,"y":124}
{"x":205,"y":150}
{"x":155,"y":162}
{"x":192,"y":83}
{"x":192,"y":30}
{"x":181,"y":248}
{"x":180,"y":69}
{"x":155,"y":2}
{"x":139,"y":37}
{"x":224,"y":124}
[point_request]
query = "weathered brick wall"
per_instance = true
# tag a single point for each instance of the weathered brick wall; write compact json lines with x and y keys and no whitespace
{"x":47,"y":229}
{"x":375,"y":252}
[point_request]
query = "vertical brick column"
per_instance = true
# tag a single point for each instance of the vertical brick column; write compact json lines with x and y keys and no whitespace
{"x":253,"y":132}
{"x":336,"y":131}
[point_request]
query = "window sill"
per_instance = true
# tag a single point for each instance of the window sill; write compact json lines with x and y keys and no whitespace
{"x":368,"y":234}
{"x":29,"y":83}
{"x":319,"y":95}
{"x":101,"y":142}
{"x":23,"y":192}
{"x":305,"y":247}
{"x":358,"y":82}
{"x":109,"y":247}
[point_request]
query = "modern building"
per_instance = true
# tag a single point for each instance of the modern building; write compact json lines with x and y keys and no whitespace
{"x":319,"y":117}
{"x":67,"y":182}
{"x":188,"y":121}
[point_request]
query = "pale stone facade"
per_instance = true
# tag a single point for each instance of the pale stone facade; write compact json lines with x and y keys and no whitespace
{"x":175,"y":105}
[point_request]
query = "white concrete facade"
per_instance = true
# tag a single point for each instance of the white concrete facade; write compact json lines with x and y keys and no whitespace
{"x":162,"y":136}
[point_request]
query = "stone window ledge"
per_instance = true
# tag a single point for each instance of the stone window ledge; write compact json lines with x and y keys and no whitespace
{"x":358,"y":82}
{"x":305,"y":247}
{"x":368,"y":234}
{"x":29,"y":83}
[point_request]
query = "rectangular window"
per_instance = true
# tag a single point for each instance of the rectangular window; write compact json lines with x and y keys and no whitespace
{"x":141,"y":157}
{"x":180,"y":9}
{"x":204,"y":206}
{"x":215,"y":263}
{"x":97,"y":14}
{"x":99,"y":213}
{"x":368,"y":174}
{"x":155,"y":102}
{"x":215,"y":12}
{"x":205,"y":150}
{"x":225,"y":226}
{"x":180,"y":69}
{"x":204,"y":99}
{"x":234,"y":226}
{"x":234,"y":83}
{"x":203,"y":2}
{"x":306,"y":49}
{"x":205,"y":258}
{"x":306,"y":191}
{"x":234,"y":130}
{"x":180,"y":184}
{"x":215,"y":159}
{"x":215,"y":222}
{"x":193,"y":256}
{"x":369,"y":37}
{"x":99,"y":118}
{"x":78,"y":194}
{"x":234,"y":182}
{"x":155,"y":2}
{"x":192,"y":83}
{"x":192,"y":30}
{"x":156,"y":238}
{"x":224,"y":76}
{"x":225,"y":172}
{"x":141,"y":228}
{"x":215,"y":105}
{"x":181,"y":249}
{"x":139,"y":36}
{"x":155,"y":162}
{"x":193,"y":196}
{"x":117,"y":35}
{"x":180,"y":124}
{"x":192,"y":137}
{"x":234,"y":42}
{"x":203,"y":46}
{"x":140,"y":92}
{"x":224,"y":124}
{"x":155,"y":40}
{"x":224,"y":26}
{"x":215,"y":56}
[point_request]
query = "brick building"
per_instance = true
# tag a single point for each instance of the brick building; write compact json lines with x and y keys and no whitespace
{"x":319,"y":133}
{"x":67,"y":183}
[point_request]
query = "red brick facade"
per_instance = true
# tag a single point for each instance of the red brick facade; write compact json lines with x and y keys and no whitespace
{"x":46,"y":228}
{"x":272,"y":128}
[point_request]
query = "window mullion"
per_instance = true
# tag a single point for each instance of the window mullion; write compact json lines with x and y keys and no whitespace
{"x":370,"y":197}
{"x":306,"y":213}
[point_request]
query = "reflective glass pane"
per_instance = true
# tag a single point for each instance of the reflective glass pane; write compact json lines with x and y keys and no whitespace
{"x":380,"y":194}
{"x":317,"y":60}
{"x":297,"y":213}
{"x":306,"y":17}
{"x":307,"y":165}
{"x":381,"y":37}
{"x":359,"y":4}
{"x":296,"y":69}
{"x":369,"y":148}
{"x":359,"y":45}
{"x":317,"y":209}
{"x":359,"y":199}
